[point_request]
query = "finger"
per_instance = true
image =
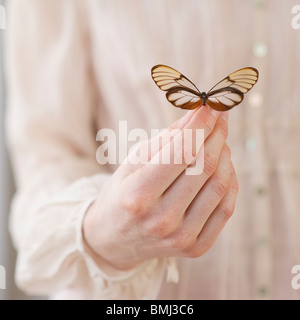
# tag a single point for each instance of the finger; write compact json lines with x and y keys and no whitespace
{"x":219,"y":217}
{"x":142,"y":153}
{"x":186,"y":187}
{"x":204,"y":115}
{"x":157,"y":176}
{"x":209,"y":196}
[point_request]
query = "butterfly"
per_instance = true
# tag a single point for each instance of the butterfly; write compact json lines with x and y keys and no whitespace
{"x":182,"y":93}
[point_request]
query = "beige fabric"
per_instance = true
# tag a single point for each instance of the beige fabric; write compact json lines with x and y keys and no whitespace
{"x":75,"y":67}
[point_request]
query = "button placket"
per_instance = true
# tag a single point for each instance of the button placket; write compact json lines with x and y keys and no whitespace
{"x":255,"y":147}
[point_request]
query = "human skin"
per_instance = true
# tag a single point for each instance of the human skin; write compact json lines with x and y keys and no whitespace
{"x":155,"y":210}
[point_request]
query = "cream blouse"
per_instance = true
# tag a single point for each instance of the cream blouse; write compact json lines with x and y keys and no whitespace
{"x":75,"y":67}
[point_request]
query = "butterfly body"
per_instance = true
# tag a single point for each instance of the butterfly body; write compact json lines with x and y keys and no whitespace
{"x":182,"y":93}
{"x":204,"y":98}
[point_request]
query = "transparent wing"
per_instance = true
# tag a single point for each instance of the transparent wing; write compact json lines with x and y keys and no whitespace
{"x":183,"y":98}
{"x":168,"y":78}
{"x":225,"y":99}
{"x":242,"y":80}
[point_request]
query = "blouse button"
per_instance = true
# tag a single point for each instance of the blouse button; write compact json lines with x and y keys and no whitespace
{"x":250,"y":144}
{"x":263,"y":291}
{"x":262,"y":242}
{"x":260,"y":191}
{"x":256,"y":100}
{"x":260,"y":49}
{"x":259,"y":4}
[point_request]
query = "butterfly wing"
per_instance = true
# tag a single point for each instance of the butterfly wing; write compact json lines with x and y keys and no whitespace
{"x":224,"y":99}
{"x":168,"y":78}
{"x":230,"y":91}
{"x":183,"y":98}
{"x":181,"y":92}
{"x":242,"y":80}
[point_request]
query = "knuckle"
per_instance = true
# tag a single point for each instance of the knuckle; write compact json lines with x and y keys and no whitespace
{"x":163,"y":228}
{"x":220,"y":185}
{"x":133,"y":203}
{"x":203,"y":246}
{"x":227,"y":150}
{"x":227,"y":211}
{"x":200,"y":248}
{"x":183,"y":242}
{"x":194,"y":252}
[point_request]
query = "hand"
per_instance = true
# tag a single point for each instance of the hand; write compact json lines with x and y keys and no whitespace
{"x":156,"y":210}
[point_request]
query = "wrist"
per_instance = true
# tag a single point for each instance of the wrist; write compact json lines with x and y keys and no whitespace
{"x":96,"y":246}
